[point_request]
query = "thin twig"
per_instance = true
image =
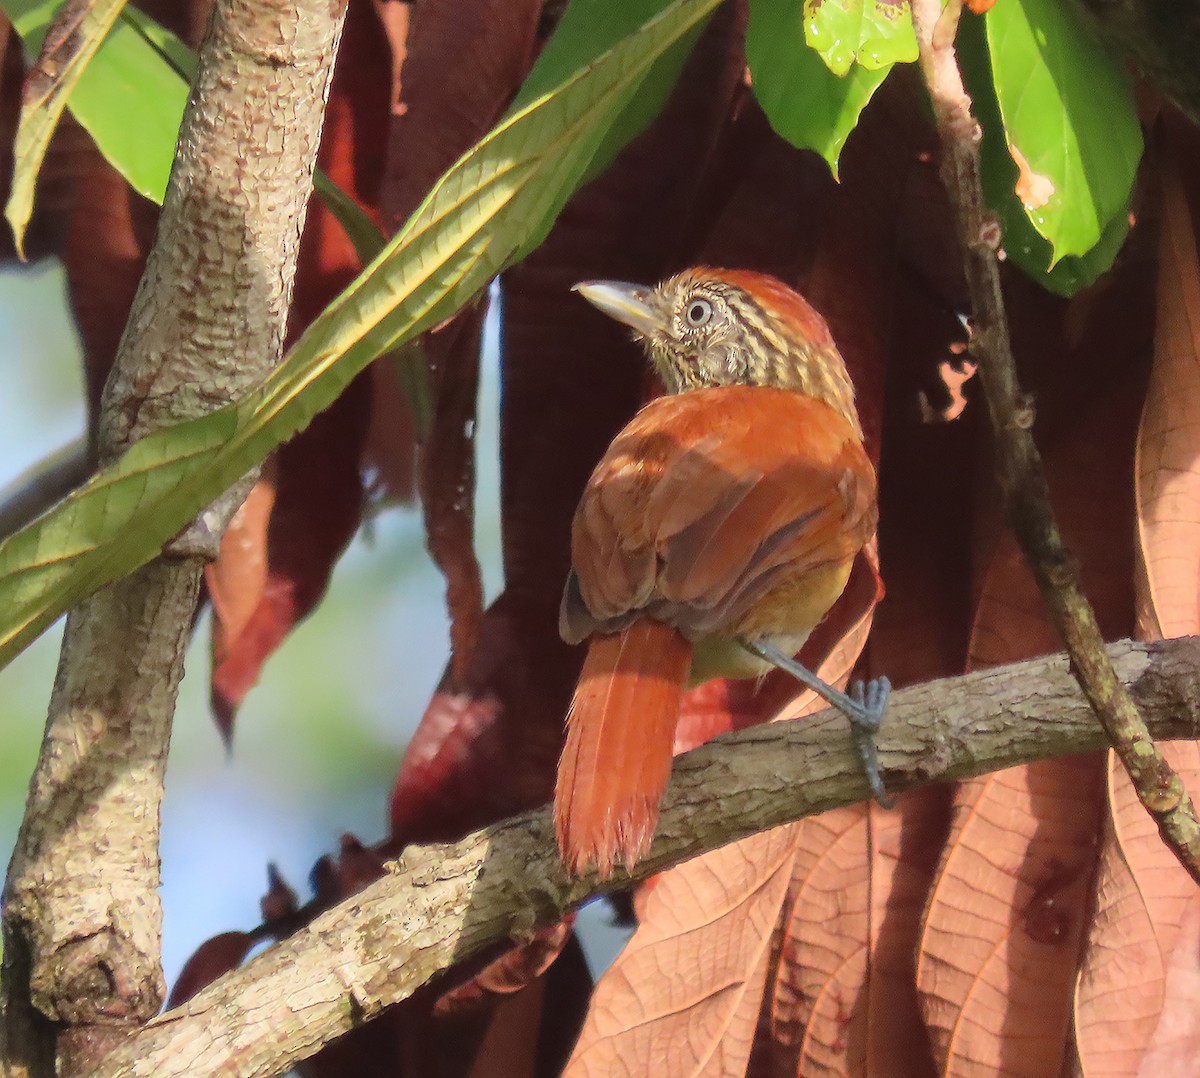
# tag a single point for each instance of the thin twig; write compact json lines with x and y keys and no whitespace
{"x":439,"y":905}
{"x":1018,"y":463}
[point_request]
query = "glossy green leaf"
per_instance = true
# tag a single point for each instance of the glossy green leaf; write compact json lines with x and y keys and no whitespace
{"x":127,"y":98}
{"x":872,"y":33}
{"x":77,"y":34}
{"x":1069,"y":119}
{"x":177,"y":54}
{"x":131,"y":98}
{"x":1023,"y":245}
{"x":805,"y":102}
{"x":470,"y":226}
{"x":586,"y":29}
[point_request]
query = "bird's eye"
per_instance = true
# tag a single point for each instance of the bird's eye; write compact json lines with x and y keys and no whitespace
{"x":699,"y":312}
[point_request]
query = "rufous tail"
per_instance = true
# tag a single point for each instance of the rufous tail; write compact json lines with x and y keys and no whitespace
{"x":617,"y":757}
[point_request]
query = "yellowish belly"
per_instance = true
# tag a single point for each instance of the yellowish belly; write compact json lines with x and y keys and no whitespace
{"x":784,"y":617}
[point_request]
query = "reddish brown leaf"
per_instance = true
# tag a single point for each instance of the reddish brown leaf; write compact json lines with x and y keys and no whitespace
{"x":858,"y":889}
{"x":1143,"y":896}
{"x":1142,"y":899}
{"x":279,"y":904}
{"x":464,"y":60}
{"x":1168,"y":483}
{"x":1005,"y":923}
{"x":313,"y":515}
{"x":447,"y":478}
{"x":237,"y":579}
{"x":1175,"y":1042}
{"x":1002,"y":935}
{"x":211,"y":959}
{"x":702,"y":1023}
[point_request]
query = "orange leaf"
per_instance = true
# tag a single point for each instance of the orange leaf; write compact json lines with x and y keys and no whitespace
{"x":1167,"y":479}
{"x":1001,"y":937}
{"x":1142,"y":892}
{"x":713,"y":917}
{"x":861,"y":874}
{"x":1142,"y":898}
{"x":237,"y":578}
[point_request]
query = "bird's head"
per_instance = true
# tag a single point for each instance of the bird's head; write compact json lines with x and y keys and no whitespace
{"x":713,"y":327}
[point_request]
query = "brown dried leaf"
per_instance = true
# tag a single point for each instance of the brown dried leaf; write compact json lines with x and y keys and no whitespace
{"x":1143,"y":895}
{"x":1175,"y":1043}
{"x":701,"y":1023}
{"x":237,"y":579}
{"x":1142,"y":898}
{"x":1168,"y":481}
{"x":834,"y":1006}
{"x":1001,"y":939}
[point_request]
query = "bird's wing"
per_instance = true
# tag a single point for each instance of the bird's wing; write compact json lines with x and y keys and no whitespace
{"x":706,"y":500}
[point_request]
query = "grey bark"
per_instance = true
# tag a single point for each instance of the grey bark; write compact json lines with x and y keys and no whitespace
{"x":82,"y":914}
{"x":440,"y":904}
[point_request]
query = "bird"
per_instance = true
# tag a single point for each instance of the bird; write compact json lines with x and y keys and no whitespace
{"x":713,"y":536}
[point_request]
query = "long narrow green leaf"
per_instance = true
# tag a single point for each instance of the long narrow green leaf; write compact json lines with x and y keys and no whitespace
{"x":472,"y":224}
{"x":79,"y":29}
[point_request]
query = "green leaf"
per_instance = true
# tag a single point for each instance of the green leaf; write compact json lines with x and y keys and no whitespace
{"x":131,"y":98}
{"x":587,"y":29}
{"x":1069,"y":115}
{"x":805,"y":102}
{"x":127,"y":98}
{"x":872,"y":33}
{"x":77,"y":34}
{"x":177,"y":54}
{"x":470,"y":226}
{"x":1023,"y":245}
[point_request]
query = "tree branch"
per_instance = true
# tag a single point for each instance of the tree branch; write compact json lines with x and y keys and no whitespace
{"x":442,"y":904}
{"x":1018,"y":464}
{"x":82,"y":913}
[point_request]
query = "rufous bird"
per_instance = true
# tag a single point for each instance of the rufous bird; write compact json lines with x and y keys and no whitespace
{"x":713,"y":536}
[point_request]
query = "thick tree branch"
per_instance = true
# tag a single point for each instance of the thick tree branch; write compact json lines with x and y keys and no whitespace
{"x":1018,"y":464}
{"x":442,"y":904}
{"x":82,"y":914}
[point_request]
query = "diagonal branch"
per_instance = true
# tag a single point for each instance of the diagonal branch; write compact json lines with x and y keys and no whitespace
{"x":439,"y":905}
{"x":1018,"y":463}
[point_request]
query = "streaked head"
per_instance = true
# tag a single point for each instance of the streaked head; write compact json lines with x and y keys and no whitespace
{"x":713,"y":327}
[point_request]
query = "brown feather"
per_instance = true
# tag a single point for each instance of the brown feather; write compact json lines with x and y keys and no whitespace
{"x":617,"y":757}
{"x":706,"y":492}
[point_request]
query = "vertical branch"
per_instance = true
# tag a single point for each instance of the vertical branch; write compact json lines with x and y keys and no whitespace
{"x":1018,"y":464}
{"x":82,"y":914}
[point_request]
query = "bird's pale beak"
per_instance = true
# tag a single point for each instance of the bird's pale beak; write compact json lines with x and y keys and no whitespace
{"x":628,"y":303}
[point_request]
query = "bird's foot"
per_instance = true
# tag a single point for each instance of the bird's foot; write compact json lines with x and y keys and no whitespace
{"x":871,"y":699}
{"x":864,"y":706}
